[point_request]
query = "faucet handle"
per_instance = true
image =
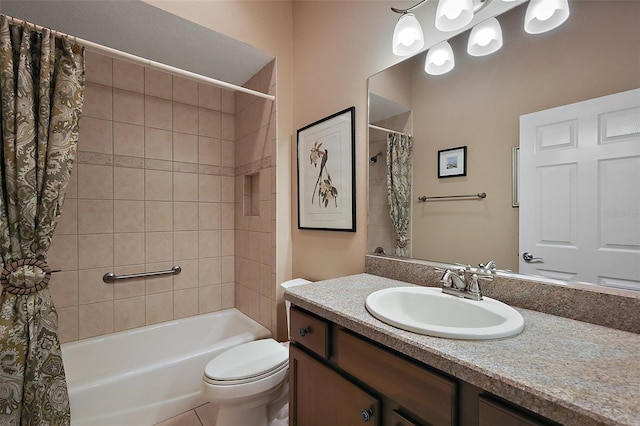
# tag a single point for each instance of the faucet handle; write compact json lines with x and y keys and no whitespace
{"x":484,"y":277}
{"x":474,"y":286}
{"x":446,"y":278}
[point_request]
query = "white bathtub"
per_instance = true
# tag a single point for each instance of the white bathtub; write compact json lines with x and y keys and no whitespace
{"x":149,"y":374}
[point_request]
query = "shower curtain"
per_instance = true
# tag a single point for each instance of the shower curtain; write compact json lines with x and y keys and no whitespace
{"x":399,"y":153}
{"x":41,"y":88}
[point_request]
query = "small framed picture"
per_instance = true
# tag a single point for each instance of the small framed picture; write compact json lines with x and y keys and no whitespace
{"x":452,"y":162}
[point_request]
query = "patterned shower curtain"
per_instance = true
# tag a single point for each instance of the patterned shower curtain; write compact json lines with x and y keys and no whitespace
{"x":41,"y":89}
{"x":399,"y":153}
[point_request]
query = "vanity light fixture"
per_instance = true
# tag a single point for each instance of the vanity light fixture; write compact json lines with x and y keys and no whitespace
{"x":440,"y":59}
{"x":407,"y":36}
{"x":485,"y":38}
{"x":545,"y":15}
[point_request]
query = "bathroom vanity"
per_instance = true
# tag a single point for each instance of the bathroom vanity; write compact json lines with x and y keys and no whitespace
{"x":348,"y":368}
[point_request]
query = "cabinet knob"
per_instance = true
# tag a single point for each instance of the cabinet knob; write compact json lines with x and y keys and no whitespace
{"x":366,"y":414}
{"x":304,"y":331}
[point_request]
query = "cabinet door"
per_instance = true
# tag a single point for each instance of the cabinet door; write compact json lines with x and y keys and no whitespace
{"x":493,"y":413}
{"x":320,"y":397}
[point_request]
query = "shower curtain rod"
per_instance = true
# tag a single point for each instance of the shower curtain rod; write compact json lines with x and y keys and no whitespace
{"x":373,"y":126}
{"x":118,"y":54}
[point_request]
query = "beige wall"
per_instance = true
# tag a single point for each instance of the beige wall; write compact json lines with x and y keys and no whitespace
{"x":337,"y":46}
{"x":479,"y":103}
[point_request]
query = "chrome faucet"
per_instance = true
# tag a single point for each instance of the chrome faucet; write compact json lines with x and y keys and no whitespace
{"x":489,"y":266}
{"x":455,"y":280}
{"x":456,"y":283}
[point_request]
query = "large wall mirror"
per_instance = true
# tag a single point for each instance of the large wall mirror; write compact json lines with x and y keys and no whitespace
{"x":478,"y":105}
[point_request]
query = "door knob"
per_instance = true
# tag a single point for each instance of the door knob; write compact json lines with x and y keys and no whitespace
{"x":528,"y":257}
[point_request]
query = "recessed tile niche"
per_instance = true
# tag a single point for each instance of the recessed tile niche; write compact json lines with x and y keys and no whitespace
{"x":251,"y":195}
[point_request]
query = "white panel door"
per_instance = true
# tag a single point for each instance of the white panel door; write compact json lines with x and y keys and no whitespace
{"x":580,"y":191}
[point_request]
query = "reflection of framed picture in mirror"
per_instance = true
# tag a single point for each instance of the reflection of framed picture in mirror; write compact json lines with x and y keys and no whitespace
{"x":515,"y":176}
{"x":452,"y":162}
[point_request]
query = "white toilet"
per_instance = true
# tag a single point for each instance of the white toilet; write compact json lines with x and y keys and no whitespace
{"x":245,"y":379}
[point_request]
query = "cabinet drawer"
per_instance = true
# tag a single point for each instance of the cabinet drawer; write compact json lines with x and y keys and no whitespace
{"x":494,"y":413}
{"x":310,"y":331}
{"x":427,"y":395}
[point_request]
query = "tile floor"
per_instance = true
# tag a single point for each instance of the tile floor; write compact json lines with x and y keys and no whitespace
{"x":205,"y":415}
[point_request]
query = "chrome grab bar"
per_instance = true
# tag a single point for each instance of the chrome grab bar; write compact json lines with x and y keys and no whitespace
{"x":424,"y":198}
{"x":111,"y":277}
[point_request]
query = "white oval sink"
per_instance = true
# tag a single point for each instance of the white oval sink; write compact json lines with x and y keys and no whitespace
{"x":426,"y":310}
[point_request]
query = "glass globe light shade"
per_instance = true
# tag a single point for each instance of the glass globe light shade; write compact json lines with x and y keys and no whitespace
{"x":452,"y":15}
{"x":485,"y":38}
{"x":439,"y":59}
{"x":545,"y":15}
{"x":407,"y":36}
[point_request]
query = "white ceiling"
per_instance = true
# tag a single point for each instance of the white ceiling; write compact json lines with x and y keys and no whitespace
{"x":141,"y":29}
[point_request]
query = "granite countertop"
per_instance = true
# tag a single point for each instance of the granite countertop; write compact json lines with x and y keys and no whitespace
{"x":572,"y":372}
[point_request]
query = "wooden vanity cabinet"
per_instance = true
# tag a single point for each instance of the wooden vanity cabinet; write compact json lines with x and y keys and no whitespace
{"x":339,"y":378}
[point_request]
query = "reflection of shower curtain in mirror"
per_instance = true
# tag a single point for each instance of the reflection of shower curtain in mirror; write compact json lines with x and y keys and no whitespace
{"x":399,"y":153}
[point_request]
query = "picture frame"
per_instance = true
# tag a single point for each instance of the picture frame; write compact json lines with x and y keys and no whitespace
{"x":452,"y":162}
{"x":326,"y":173}
{"x":515,"y":176}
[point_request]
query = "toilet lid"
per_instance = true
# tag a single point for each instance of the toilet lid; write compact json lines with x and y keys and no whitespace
{"x":247,"y":360}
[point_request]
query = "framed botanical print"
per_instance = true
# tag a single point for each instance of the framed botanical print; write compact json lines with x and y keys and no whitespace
{"x":326,"y":173}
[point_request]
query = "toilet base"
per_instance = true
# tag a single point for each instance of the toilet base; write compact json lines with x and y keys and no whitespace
{"x":254,"y":412}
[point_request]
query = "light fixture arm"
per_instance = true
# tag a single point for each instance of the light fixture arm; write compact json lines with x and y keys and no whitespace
{"x":409,"y":9}
{"x":477,"y":6}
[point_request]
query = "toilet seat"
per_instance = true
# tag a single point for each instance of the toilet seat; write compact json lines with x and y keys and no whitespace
{"x":260,"y":377}
{"x":246,"y":363}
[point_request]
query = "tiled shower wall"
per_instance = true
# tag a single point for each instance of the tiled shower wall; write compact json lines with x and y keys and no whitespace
{"x":256,"y":290}
{"x":153,"y":187}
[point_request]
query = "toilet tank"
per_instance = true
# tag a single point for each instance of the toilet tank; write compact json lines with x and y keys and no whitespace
{"x":288,"y":284}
